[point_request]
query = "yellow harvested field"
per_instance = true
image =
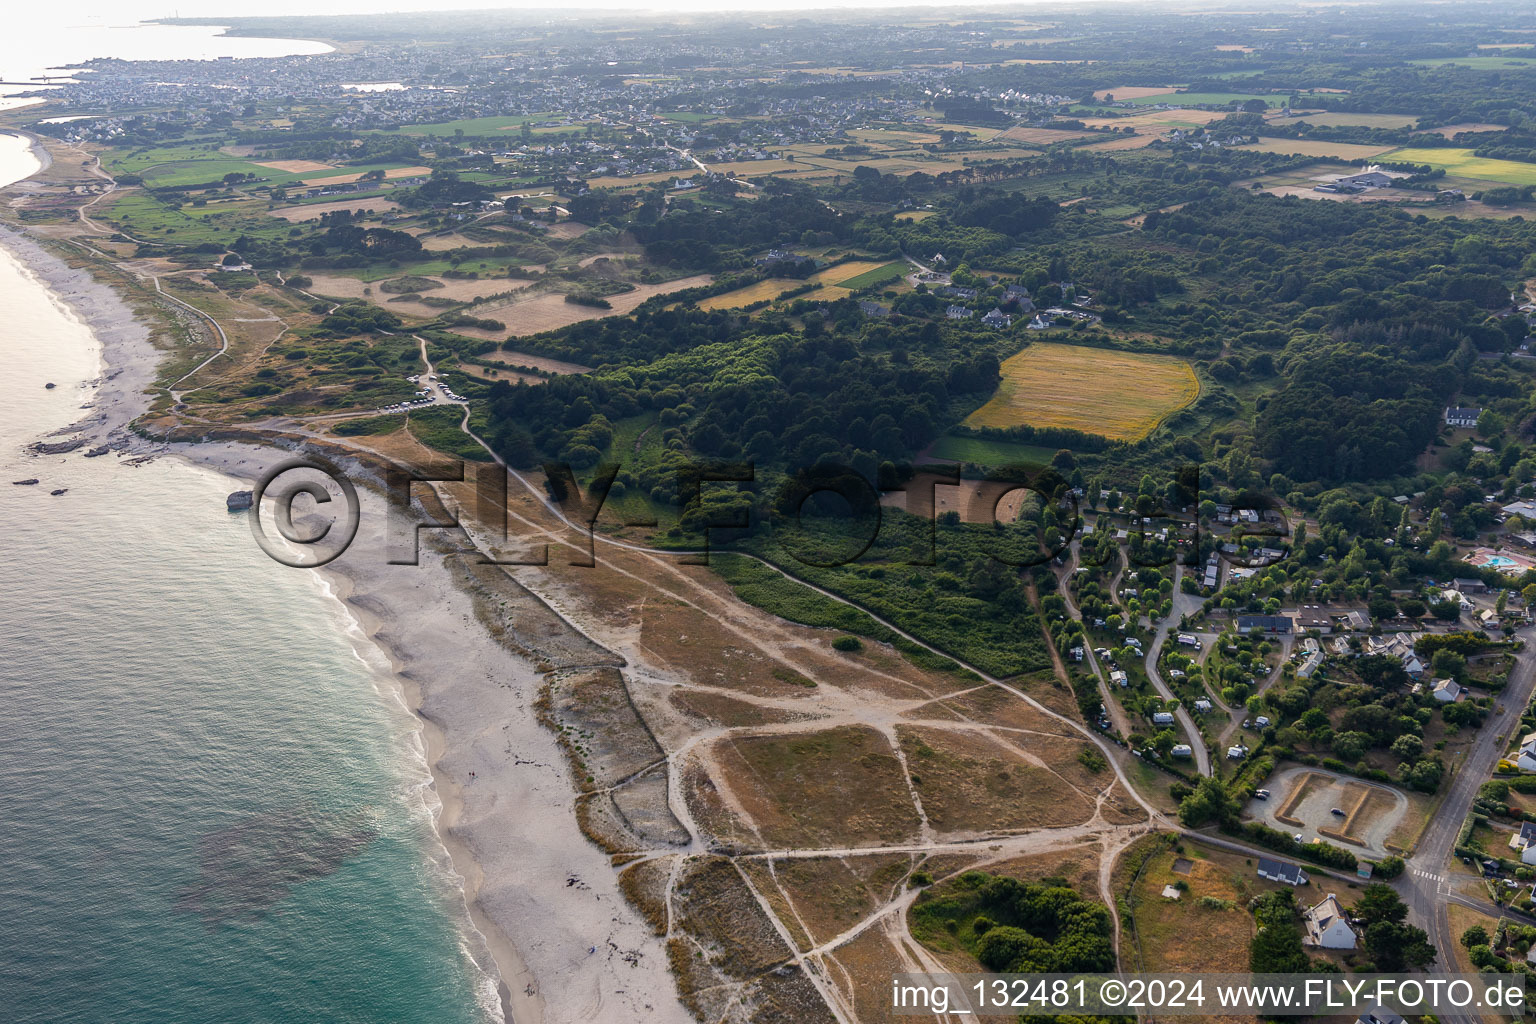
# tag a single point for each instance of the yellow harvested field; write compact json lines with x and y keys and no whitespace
{"x":1040,"y":136}
{"x":891,"y":135}
{"x":914,"y":215}
{"x":1120,"y":395}
{"x":1157,"y":120}
{"x":549,"y":311}
{"x":773,"y":287}
{"x":296,"y":166}
{"x":752,"y":168}
{"x":1123,"y":142}
{"x":1311,"y":147}
{"x":1134,"y":92}
{"x":391,"y":174}
{"x":613,"y":181}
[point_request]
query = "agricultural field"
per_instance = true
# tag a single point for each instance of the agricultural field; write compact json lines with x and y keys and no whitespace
{"x":1212,"y":98}
{"x":879,"y":275}
{"x":1115,"y":144}
{"x":1318,"y":148}
{"x":1120,"y":395}
{"x":951,"y":448}
{"x":300,"y":212}
{"x":1450,"y":131}
{"x":1344,"y":119}
{"x":1126,"y":93}
{"x":773,"y":287}
{"x":1041,"y":136}
{"x":487,"y":125}
{"x":344,"y":177}
{"x":1501,"y":63}
{"x":1465,"y":163}
{"x":892,"y":137}
{"x":1155,"y":120}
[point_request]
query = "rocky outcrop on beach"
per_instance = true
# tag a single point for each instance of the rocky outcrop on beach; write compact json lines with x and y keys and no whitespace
{"x":57,"y":447}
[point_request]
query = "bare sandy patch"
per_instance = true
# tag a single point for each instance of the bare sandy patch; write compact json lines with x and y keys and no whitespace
{"x":299,"y":214}
{"x":550,"y":310}
{"x":296,"y":166}
{"x":344,"y":179}
{"x":568,"y":229}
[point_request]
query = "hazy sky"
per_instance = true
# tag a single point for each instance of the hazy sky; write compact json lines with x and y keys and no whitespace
{"x":118,"y":12}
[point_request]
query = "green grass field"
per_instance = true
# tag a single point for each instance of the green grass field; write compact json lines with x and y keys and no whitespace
{"x":1482,"y":63}
{"x":1465,"y":163}
{"x":1205,"y":97}
{"x":503,"y":125}
{"x":989,"y":453}
{"x":142,"y":215}
{"x":870,"y":278}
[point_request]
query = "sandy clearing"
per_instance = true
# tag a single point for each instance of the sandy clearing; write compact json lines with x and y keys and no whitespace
{"x":299,"y":214}
{"x":550,"y":310}
{"x":343,"y":179}
{"x":341,"y":287}
{"x":568,"y":229}
{"x":296,"y":166}
{"x":603,"y":256}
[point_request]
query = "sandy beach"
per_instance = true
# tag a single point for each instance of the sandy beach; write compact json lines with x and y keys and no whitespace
{"x":544,"y":900}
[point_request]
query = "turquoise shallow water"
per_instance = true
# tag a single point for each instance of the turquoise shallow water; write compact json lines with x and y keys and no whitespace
{"x":211,"y":804}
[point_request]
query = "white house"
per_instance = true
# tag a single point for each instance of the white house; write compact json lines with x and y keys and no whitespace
{"x":1526,"y":761}
{"x":1327,"y":926}
{"x":1446,"y":691}
{"x":1525,"y":841}
{"x":1460,"y":416}
{"x":1280,"y":871}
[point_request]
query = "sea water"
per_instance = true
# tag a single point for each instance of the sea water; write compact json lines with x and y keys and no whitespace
{"x":213,"y":805}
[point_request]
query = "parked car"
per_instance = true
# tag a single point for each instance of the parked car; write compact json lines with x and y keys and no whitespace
{"x":1261,"y":794}
{"x":1336,"y":812}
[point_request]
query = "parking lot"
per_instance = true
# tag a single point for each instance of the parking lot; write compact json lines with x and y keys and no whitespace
{"x":1302,"y":802}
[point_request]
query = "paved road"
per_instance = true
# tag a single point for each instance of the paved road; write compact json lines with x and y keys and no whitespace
{"x":1425,"y":886}
{"x":1111,"y":706}
{"x":1187,"y":720}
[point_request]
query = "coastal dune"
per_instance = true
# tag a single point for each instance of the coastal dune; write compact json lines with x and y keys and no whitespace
{"x":544,"y":901}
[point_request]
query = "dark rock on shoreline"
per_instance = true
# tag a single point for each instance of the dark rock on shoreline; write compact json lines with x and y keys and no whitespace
{"x":57,"y":447}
